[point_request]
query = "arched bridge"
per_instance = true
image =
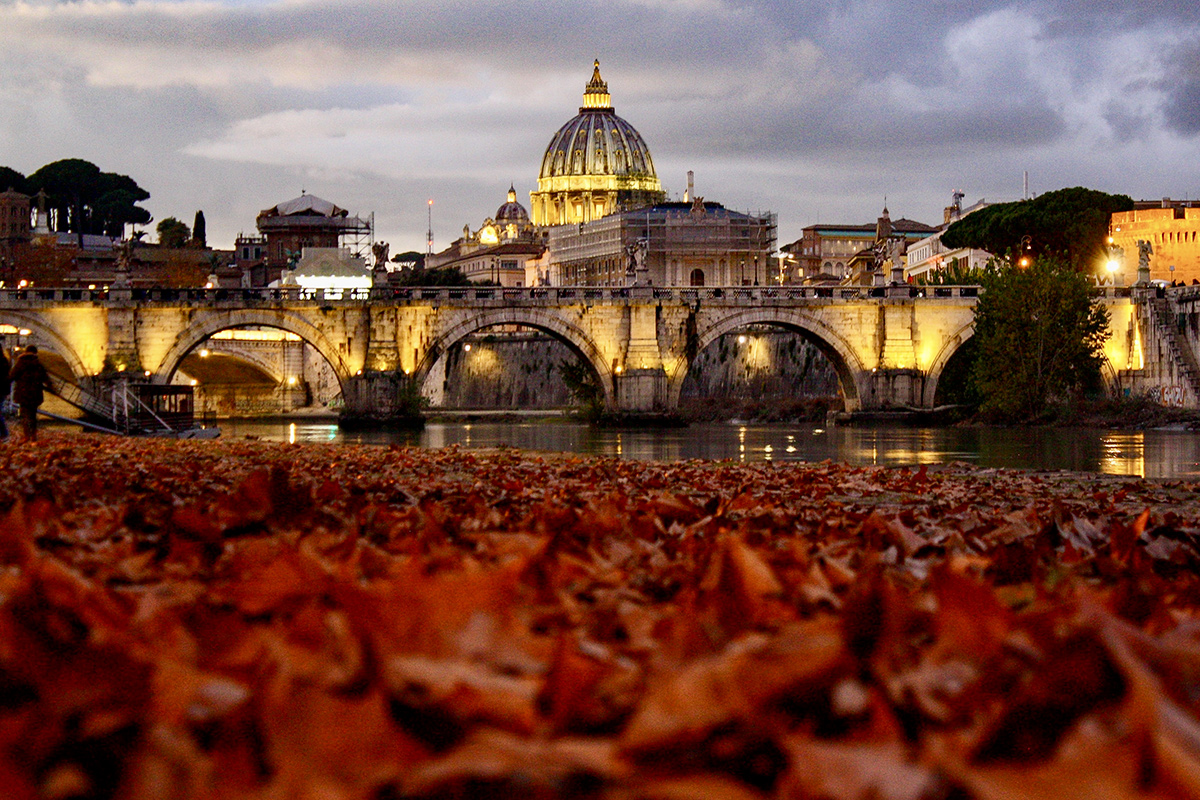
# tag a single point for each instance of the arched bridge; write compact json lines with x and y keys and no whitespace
{"x":888,"y":344}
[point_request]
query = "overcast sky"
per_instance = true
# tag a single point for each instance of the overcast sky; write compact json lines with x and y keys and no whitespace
{"x":813,"y":110}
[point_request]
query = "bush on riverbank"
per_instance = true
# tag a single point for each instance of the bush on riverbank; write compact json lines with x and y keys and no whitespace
{"x":802,"y":409}
{"x":1133,"y":413}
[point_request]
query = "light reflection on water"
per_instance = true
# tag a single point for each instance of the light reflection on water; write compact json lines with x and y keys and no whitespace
{"x":1157,"y":453}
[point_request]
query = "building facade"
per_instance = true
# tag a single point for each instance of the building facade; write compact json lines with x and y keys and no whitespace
{"x":306,"y":221}
{"x":501,"y":251}
{"x":15,"y":228}
{"x":595,"y":165}
{"x":929,"y":255}
{"x":668,"y":244}
{"x":1173,"y":231}
{"x":832,"y":253}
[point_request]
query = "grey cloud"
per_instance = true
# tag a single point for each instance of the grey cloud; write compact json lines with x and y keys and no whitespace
{"x":803,"y":107}
{"x":1182,"y":86}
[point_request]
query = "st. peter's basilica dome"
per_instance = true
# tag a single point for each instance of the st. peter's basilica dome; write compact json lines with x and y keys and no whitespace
{"x":597,"y":163}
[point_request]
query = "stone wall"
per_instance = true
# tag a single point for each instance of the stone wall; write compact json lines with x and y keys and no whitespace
{"x":520,"y":370}
{"x":756,"y":364}
{"x":506,"y":370}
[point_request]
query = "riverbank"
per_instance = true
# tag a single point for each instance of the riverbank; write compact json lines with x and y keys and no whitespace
{"x":246,"y":619}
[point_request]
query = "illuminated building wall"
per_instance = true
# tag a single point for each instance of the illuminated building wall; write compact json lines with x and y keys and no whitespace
{"x":1173,"y":232}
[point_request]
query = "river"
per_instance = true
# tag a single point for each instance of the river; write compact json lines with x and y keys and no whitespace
{"x":1152,"y":453}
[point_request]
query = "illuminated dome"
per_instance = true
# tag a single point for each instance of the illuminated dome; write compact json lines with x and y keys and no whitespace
{"x":596,"y":164}
{"x":512,"y":211}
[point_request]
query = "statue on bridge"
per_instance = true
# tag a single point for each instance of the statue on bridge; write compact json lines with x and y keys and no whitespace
{"x":896,"y":256}
{"x":124,"y":262}
{"x":636,"y":273}
{"x":380,"y":251}
{"x":1145,"y":250}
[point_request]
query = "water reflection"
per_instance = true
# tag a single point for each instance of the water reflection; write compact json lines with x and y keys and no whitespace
{"x":1147,"y":453}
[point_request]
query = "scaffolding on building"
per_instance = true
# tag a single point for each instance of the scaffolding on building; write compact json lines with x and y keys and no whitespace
{"x":358,"y":235}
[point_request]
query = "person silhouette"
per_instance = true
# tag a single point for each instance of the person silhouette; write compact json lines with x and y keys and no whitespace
{"x":29,"y":378}
{"x":5,"y":385}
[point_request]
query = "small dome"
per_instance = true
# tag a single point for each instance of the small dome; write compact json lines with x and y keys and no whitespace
{"x":596,"y":141}
{"x":512,"y":211}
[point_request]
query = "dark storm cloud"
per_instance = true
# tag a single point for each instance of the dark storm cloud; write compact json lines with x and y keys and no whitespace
{"x":1182,"y":87}
{"x":794,"y":104}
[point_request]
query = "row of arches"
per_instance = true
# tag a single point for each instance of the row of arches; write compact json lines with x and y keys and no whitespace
{"x":849,"y":370}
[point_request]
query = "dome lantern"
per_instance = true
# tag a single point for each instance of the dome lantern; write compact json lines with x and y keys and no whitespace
{"x":596,"y":95}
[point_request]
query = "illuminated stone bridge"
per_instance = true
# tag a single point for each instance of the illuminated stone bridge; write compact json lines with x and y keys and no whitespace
{"x":889,"y":345}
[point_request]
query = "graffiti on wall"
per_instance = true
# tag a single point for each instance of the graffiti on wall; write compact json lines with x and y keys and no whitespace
{"x":1170,"y":396}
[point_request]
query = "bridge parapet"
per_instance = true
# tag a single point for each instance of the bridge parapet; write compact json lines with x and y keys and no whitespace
{"x":470,"y":295}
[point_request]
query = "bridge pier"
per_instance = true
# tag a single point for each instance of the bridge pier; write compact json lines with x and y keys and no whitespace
{"x":640,"y":391}
{"x":375,"y":399}
{"x":893,"y":388}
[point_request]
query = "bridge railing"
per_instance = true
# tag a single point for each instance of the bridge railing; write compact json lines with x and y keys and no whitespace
{"x":550,"y":295}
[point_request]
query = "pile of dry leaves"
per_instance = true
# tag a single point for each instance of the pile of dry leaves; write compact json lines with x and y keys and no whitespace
{"x":246,"y":620}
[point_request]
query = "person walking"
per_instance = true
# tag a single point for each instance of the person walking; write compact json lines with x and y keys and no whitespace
{"x":5,"y":385}
{"x":28,"y":378}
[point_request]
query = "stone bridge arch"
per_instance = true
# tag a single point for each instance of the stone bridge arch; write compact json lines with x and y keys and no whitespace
{"x":934,"y":374}
{"x":548,"y":322}
{"x":207,"y":323}
{"x":44,"y":335}
{"x":843,"y":357}
{"x":267,"y":365}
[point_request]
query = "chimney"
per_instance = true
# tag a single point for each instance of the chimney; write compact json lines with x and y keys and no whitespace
{"x":1166,"y":202}
{"x":691,"y":187}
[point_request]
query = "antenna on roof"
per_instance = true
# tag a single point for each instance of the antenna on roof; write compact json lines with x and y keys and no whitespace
{"x":429,"y":233}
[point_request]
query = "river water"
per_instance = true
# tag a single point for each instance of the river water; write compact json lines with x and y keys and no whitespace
{"x":1153,"y":453}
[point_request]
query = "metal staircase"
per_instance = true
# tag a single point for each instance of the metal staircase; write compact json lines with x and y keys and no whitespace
{"x":114,"y":415}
